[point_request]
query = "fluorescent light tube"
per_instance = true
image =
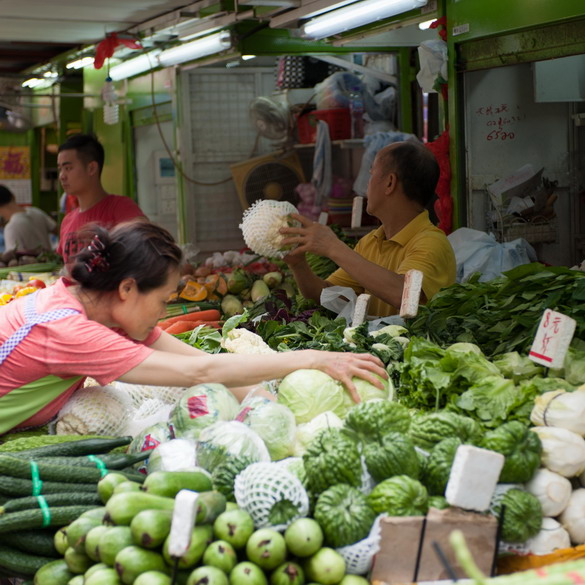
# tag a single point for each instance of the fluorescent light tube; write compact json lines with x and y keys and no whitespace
{"x":80,"y":63}
{"x":356,"y":15}
{"x":196,"y":49}
{"x":144,"y":62}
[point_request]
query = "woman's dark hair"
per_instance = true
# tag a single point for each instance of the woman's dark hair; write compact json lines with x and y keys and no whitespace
{"x":6,"y":196}
{"x":140,"y":250}
{"x":416,"y":167}
{"x":88,"y":148}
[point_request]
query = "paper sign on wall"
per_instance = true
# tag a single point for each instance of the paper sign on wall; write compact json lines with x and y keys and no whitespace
{"x":15,"y":172}
{"x":552,"y":339}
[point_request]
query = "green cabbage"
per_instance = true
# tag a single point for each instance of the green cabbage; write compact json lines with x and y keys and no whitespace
{"x":400,"y":496}
{"x":522,"y":515}
{"x":332,"y":458}
{"x":426,"y":430}
{"x":149,"y":438}
{"x":308,"y":431}
{"x":344,"y":515}
{"x":437,"y":466}
{"x":201,"y":406}
{"x":274,"y":422}
{"x":393,"y":454}
{"x":309,"y":393}
{"x":224,"y":440}
{"x":224,"y":475}
{"x":521,"y":448}
{"x":370,"y":420}
{"x":517,"y":367}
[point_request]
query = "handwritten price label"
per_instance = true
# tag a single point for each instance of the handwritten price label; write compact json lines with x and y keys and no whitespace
{"x":552,"y":339}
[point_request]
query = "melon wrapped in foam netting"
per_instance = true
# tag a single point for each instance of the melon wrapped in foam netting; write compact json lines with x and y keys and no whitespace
{"x":273,"y":496}
{"x":360,"y":555}
{"x":261,"y":223}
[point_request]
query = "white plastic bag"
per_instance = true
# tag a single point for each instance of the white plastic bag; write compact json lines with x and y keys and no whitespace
{"x":432,"y":56}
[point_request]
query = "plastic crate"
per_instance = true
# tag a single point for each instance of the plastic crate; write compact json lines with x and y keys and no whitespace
{"x":338,"y":120}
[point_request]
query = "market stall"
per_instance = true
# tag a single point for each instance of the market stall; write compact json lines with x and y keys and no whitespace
{"x":298,"y":483}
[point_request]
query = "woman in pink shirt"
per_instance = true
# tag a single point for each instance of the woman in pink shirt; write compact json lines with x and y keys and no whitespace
{"x":103,"y":324}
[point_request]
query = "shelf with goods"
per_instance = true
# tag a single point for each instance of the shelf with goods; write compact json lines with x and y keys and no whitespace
{"x":488,"y":396}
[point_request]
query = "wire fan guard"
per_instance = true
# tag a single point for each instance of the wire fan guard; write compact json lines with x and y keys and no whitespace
{"x":268,"y":177}
{"x":271,"y":118}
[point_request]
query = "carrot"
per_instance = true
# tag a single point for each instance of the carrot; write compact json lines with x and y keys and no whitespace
{"x":208,"y":315}
{"x":180,"y":327}
{"x":184,"y":326}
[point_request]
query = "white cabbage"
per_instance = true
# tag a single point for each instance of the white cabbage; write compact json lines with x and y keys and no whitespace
{"x":552,"y":536}
{"x":562,"y":451}
{"x":561,"y":409}
{"x":573,"y":517}
{"x":552,"y":490}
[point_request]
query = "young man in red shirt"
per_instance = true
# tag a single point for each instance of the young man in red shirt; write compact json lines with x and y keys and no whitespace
{"x":80,"y":162}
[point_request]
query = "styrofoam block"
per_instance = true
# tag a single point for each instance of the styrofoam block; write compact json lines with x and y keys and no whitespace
{"x":473,"y":478}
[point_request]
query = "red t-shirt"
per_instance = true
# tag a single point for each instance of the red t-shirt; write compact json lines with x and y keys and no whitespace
{"x":72,"y":346}
{"x":110,"y":211}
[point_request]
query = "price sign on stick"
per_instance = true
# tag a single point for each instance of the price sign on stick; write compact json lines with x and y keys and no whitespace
{"x":184,"y":514}
{"x":411,"y":294}
{"x":552,"y":339}
{"x":356,"y":212}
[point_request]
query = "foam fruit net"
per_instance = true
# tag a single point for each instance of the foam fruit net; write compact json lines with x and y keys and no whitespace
{"x":260,"y":225}
{"x":262,"y":485}
{"x":116,"y":409}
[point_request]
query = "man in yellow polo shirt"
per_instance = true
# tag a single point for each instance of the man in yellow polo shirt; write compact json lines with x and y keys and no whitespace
{"x":402,"y":182}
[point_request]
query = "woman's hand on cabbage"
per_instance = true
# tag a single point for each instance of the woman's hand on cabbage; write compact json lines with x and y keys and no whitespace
{"x":345,"y":366}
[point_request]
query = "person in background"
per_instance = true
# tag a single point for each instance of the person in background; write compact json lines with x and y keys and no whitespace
{"x":80,"y":162}
{"x":402,"y":182}
{"x":103,"y":324}
{"x":27,"y":228}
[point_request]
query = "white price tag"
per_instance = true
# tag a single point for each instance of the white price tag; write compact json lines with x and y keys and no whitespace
{"x":184,"y":514}
{"x":323,"y":218}
{"x":413,"y":280}
{"x":356,"y":211}
{"x":552,"y":339}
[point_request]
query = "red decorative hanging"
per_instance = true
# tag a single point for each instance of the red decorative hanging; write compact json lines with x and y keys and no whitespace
{"x":444,"y":203}
{"x":105,"y":49}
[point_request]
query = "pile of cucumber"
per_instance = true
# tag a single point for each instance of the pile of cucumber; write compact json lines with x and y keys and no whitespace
{"x":45,"y":488}
{"x":117,"y":543}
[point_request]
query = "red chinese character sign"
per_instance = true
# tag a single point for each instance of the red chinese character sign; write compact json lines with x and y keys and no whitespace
{"x":15,"y":171}
{"x":552,"y":339}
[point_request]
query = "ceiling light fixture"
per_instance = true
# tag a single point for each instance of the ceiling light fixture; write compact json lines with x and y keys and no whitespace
{"x":141,"y":64}
{"x":426,"y":24}
{"x":356,"y":15}
{"x":196,"y":49}
{"x":80,"y":63}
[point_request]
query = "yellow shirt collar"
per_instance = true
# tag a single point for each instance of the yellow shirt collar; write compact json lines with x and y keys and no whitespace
{"x":408,"y":231}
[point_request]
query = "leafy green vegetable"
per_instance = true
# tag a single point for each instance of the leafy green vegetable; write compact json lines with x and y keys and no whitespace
{"x":400,"y":496}
{"x":344,"y":515}
{"x":520,"y":446}
{"x":517,"y":367}
{"x":502,"y":315}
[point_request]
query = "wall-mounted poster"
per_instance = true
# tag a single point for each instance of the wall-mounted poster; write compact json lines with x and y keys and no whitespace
{"x":15,"y":172}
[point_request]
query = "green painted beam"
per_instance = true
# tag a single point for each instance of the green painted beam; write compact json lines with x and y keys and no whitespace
{"x":494,"y":17}
{"x":550,"y":42}
{"x":270,"y":41}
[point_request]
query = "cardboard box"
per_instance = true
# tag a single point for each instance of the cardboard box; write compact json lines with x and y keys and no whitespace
{"x":407,"y":553}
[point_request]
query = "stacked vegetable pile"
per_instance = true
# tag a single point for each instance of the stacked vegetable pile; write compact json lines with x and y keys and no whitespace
{"x":49,"y":486}
{"x":128,"y":541}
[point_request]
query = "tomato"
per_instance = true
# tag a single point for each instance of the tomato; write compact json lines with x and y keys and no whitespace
{"x":37,"y":283}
